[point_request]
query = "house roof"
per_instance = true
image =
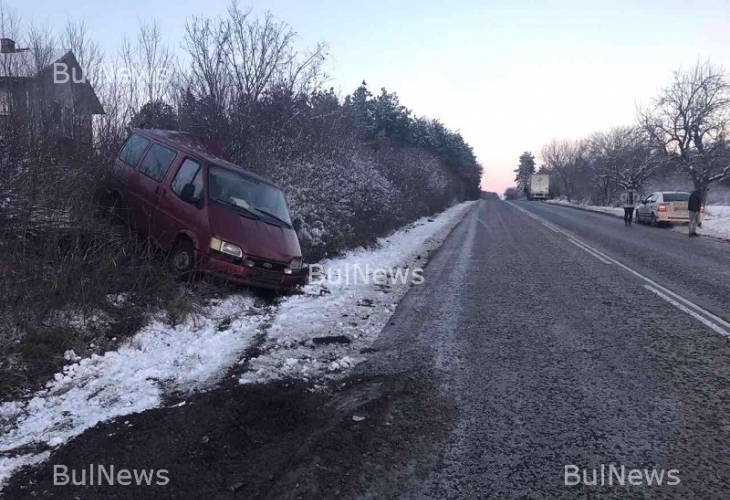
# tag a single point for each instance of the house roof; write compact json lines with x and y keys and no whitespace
{"x":24,"y":65}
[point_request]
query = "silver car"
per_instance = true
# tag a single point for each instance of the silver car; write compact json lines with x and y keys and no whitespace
{"x":664,"y":207}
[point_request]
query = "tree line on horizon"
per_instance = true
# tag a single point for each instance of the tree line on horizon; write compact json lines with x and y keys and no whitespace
{"x":681,"y":140}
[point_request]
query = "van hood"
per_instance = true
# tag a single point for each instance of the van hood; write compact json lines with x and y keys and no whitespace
{"x":255,"y":237}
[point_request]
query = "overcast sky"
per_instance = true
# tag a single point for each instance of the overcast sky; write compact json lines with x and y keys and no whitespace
{"x":510,"y":75}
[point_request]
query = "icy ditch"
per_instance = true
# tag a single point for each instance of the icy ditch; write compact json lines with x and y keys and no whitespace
{"x":162,"y":359}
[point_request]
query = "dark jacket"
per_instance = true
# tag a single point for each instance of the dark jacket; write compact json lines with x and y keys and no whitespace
{"x":694,"y":202}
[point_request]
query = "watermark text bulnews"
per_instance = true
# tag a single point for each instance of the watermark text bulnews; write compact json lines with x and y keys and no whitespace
{"x":108,"y":475}
{"x":355,"y":274}
{"x":63,"y":74}
{"x":613,"y":475}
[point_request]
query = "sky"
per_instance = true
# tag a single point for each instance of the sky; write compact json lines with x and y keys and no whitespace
{"x":509,"y":75}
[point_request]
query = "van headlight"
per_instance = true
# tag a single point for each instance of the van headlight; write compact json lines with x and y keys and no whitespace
{"x":296,"y":264}
{"x":226,"y":248}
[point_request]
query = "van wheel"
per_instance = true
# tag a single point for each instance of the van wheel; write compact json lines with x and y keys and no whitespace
{"x":182,"y":258}
{"x":654,"y":222}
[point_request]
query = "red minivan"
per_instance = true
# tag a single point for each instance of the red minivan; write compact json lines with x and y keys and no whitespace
{"x":208,"y":213}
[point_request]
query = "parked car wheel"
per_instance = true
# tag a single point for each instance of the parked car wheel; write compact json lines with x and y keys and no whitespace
{"x":654,"y":221}
{"x":182,"y":258}
{"x":638,"y":218}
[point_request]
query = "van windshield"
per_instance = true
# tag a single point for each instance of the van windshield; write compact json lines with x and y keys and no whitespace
{"x":249,"y":194}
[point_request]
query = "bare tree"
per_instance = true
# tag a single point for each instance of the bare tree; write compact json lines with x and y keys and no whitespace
{"x":240,"y":57}
{"x":207,"y":75}
{"x":567,"y":160}
{"x":261,"y":53}
{"x":87,"y":52}
{"x":623,"y":157}
{"x":157,"y":61}
{"x":42,"y":45}
{"x":689,"y":122}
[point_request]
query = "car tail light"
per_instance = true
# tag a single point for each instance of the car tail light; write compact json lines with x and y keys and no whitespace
{"x":662,"y":208}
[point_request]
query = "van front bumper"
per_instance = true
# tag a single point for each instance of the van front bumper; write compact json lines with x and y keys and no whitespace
{"x":251,"y":276}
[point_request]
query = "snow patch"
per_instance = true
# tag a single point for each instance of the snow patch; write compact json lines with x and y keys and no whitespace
{"x":158,"y":360}
{"x":357,"y":310}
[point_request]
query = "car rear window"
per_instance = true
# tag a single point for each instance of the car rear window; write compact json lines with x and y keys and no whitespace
{"x":676,"y":197}
{"x":133,"y":149}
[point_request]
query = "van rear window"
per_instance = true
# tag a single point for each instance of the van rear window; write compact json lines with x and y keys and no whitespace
{"x":133,"y":149}
{"x":157,"y":162}
{"x":676,"y":197}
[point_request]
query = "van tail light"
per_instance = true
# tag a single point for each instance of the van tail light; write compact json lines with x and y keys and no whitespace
{"x":662,"y":208}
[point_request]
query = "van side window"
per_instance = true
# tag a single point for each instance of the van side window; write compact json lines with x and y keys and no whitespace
{"x":157,"y":162}
{"x":133,"y":149}
{"x":188,"y":173}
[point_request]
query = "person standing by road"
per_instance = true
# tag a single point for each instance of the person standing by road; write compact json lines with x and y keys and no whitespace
{"x":629,"y":199}
{"x":694,"y":205}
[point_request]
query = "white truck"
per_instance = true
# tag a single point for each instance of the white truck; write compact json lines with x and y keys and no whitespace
{"x":539,"y":187}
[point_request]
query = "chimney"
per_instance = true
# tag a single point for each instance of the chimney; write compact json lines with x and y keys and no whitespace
{"x":7,"y":46}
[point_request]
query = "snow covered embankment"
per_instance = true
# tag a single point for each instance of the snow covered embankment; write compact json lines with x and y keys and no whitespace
{"x":162,"y":359}
{"x":326,"y":330}
{"x":715,"y":223}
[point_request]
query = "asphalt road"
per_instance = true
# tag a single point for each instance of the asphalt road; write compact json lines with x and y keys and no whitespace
{"x":555,"y":357}
{"x":543,"y":337}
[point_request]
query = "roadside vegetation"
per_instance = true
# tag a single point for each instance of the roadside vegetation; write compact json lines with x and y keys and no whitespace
{"x":353,"y":168}
{"x":679,"y":141}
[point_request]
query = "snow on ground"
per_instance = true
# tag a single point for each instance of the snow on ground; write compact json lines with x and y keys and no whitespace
{"x":159,"y":360}
{"x":349,"y":309}
{"x":163,"y":359}
{"x":618,"y":211}
{"x":715,"y":223}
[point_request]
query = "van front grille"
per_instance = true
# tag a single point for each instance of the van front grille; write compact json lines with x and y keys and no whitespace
{"x":268,"y":265}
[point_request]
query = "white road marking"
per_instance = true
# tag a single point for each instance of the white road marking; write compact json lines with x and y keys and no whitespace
{"x":579,"y":245}
{"x":667,"y":291}
{"x":687,"y":310}
{"x":543,"y":221}
{"x":718,"y":324}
